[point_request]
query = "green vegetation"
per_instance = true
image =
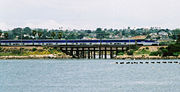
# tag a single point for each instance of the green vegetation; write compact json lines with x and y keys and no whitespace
{"x":143,"y":51}
{"x":99,"y":33}
{"x":171,"y":50}
{"x":130,"y":52}
{"x":121,"y":53}
{"x":156,"y":53}
{"x":27,"y":52}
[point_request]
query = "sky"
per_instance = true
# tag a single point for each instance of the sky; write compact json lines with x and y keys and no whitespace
{"x":89,"y":14}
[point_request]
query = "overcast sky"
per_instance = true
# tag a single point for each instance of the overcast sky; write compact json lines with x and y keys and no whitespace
{"x":89,"y":14}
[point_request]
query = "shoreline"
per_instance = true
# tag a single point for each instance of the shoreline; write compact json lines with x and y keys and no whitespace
{"x":146,"y":57}
{"x":51,"y":56}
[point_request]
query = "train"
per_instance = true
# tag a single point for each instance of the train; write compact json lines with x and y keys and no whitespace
{"x":77,"y":42}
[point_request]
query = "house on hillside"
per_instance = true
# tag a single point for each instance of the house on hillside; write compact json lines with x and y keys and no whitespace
{"x":153,"y":36}
{"x":163,"y":35}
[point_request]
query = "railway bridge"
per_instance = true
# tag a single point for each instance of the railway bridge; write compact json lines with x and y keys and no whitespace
{"x":84,"y":48}
{"x":93,"y":51}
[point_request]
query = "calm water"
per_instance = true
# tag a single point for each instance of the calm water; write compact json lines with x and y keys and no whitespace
{"x":87,"y":76}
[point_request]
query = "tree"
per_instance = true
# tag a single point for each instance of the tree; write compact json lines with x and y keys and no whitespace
{"x":17,"y":32}
{"x":53,"y":34}
{"x":0,"y":33}
{"x":176,"y":32}
{"x":39,"y":34}
{"x":165,"y":52}
{"x":130,"y":52}
{"x":80,"y":36}
{"x":27,"y":30}
{"x":178,"y":40}
{"x":59,"y":35}
{"x":99,"y":33}
{"x":6,"y":35}
{"x":34,"y":33}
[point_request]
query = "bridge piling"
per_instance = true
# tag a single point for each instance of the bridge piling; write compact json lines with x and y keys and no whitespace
{"x":111,"y":53}
{"x":116,"y":51}
{"x":105,"y":53}
{"x":94,"y":53}
{"x":100,"y":52}
{"x":88,"y":53}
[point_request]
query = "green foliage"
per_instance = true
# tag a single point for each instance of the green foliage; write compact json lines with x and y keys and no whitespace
{"x":130,"y":52}
{"x":34,"y":33}
{"x":45,"y":48}
{"x":165,"y":52}
{"x":143,"y":51}
{"x":40,"y":34}
{"x":178,"y":40}
{"x":99,"y":33}
{"x":1,"y":33}
{"x":59,"y":35}
{"x":156,"y":53}
{"x":121,"y":53}
{"x":6,"y":35}
{"x":17,"y":32}
{"x":147,"y":48}
{"x":173,"y":48}
{"x":53,"y":34}
{"x":34,"y":49}
{"x":176,"y":53}
{"x":17,"y":52}
{"x":26,"y":52}
{"x":1,"y":49}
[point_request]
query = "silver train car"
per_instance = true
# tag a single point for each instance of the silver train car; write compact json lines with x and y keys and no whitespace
{"x":76,"y":42}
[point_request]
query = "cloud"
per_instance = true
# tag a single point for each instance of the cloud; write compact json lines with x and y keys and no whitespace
{"x":4,"y":26}
{"x":85,"y":14}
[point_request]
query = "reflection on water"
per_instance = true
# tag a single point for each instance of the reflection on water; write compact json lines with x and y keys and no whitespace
{"x":87,"y":76}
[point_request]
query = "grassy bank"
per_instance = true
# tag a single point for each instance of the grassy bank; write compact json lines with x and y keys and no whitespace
{"x":31,"y":52}
{"x":150,"y":52}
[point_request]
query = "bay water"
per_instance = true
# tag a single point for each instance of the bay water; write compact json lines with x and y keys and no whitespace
{"x":83,"y":75}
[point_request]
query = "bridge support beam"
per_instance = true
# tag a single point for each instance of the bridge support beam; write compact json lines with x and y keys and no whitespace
{"x":94,"y":53}
{"x":111,"y":53}
{"x":116,"y":51}
{"x":100,"y":52}
{"x":77,"y":52}
{"x":83,"y":54}
{"x":88,"y":53}
{"x":105,"y":52}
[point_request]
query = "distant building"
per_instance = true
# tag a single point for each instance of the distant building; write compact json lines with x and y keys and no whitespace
{"x":163,"y":35}
{"x":153,"y":36}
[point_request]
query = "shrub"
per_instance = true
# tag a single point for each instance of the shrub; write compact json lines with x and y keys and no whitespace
{"x":17,"y":52}
{"x":121,"y":53}
{"x":45,"y":47}
{"x":176,"y":54}
{"x":1,"y":49}
{"x":154,"y":53}
{"x":34,"y":49}
{"x":165,"y":52}
{"x":130,"y":52}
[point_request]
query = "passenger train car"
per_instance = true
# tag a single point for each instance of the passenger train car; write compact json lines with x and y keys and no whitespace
{"x":76,"y":42}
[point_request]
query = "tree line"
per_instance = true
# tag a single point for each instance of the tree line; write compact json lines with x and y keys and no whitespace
{"x":99,"y":33}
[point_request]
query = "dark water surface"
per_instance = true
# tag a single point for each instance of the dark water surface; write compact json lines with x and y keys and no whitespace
{"x":87,"y":76}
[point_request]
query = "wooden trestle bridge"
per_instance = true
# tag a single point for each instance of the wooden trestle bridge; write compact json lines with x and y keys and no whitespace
{"x":93,"y":51}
